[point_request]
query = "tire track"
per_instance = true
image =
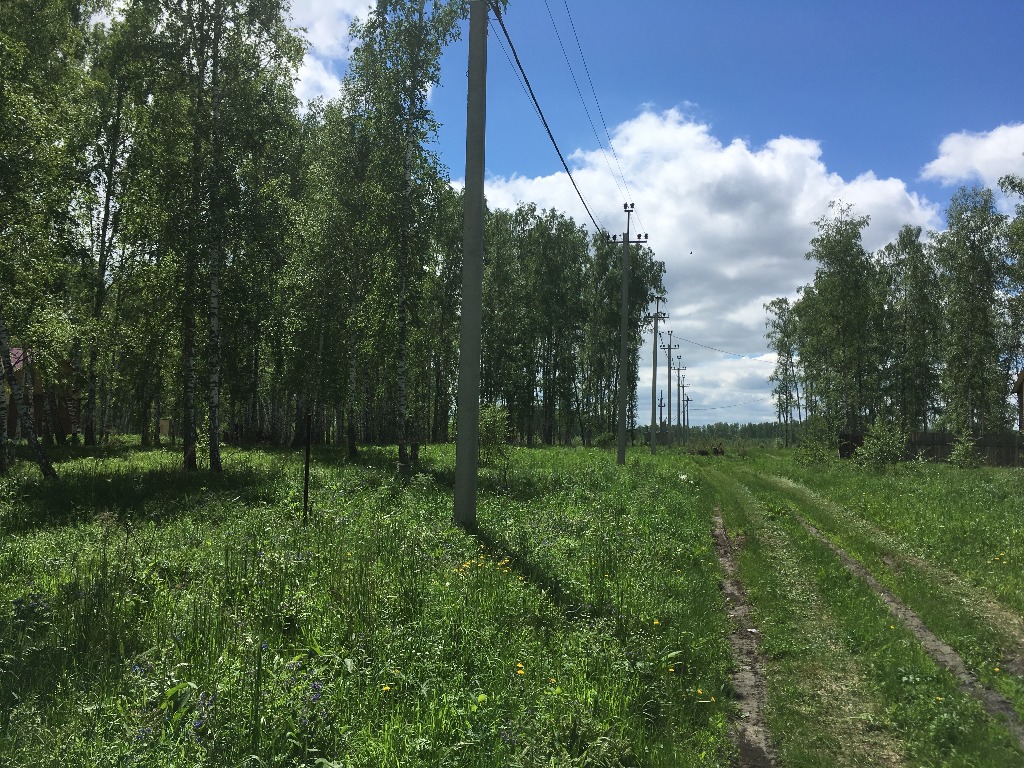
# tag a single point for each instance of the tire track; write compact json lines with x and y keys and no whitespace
{"x":749,"y":731}
{"x":993,"y":702}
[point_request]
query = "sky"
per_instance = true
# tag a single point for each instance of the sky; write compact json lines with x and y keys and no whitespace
{"x":730,"y":126}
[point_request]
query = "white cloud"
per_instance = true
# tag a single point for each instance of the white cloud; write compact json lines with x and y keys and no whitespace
{"x":732,"y":223}
{"x":327,"y":30}
{"x":327,"y":24}
{"x":984,"y":157}
{"x":315,"y":78}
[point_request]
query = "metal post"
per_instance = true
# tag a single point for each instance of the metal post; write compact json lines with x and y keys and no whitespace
{"x":679,"y":394}
{"x":467,"y":447}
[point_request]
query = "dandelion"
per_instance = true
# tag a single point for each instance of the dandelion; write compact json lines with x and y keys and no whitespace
{"x":996,"y":669}
{"x":385,"y":688}
{"x":656,"y":622}
{"x":555,"y":681}
{"x":672,"y":669}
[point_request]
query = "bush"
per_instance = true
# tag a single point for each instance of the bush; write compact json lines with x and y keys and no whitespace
{"x":494,"y":447}
{"x":884,"y":444}
{"x":965,"y":453}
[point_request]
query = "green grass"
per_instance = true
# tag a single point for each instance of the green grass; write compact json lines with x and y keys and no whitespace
{"x":966,"y":520}
{"x":149,"y":617}
{"x":847,"y":684}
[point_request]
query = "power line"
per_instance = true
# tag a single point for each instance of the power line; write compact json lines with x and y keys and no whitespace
{"x":734,"y":405}
{"x":536,"y":104}
{"x":508,"y":58}
{"x":600,"y":112}
{"x":733,"y":354}
{"x":583,"y":101}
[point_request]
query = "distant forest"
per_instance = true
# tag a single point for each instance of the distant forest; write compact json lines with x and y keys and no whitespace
{"x":926,"y":333}
{"x":184,"y":250}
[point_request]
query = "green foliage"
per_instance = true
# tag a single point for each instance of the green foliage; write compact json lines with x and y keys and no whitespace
{"x":965,"y":453}
{"x":494,"y":436}
{"x":884,"y":445}
{"x":923,"y":333}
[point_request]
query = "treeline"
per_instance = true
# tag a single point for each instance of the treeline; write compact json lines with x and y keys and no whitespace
{"x":769,"y":430}
{"x":178,"y":239}
{"x":926,"y":333}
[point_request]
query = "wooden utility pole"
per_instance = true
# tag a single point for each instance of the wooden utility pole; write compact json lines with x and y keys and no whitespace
{"x":467,"y":446}
{"x":668,"y":356}
{"x":661,"y":410}
{"x":686,"y":416}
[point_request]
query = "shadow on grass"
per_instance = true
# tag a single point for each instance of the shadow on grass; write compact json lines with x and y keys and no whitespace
{"x":139,"y":484}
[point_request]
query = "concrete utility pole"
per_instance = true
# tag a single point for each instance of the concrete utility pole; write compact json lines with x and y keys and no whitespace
{"x":661,"y":410}
{"x":686,"y":418}
{"x":658,"y":315}
{"x":629,"y":209}
{"x":668,"y":356}
{"x":680,"y":378}
{"x":467,"y":446}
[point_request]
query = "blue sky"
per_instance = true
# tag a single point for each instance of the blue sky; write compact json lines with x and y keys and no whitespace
{"x":734,"y":124}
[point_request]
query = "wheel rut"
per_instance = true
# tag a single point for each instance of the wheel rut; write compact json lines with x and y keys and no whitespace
{"x":750,"y":732}
{"x":994,"y":702}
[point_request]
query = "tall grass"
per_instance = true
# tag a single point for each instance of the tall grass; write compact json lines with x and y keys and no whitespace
{"x":153,"y":617}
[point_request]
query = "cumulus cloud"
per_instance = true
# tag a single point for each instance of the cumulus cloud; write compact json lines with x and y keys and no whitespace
{"x":326,"y":27}
{"x":327,"y":24}
{"x":732,"y":223}
{"x":316,"y":78}
{"x":971,"y":157}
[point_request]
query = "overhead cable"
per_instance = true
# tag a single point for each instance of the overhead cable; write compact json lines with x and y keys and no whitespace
{"x":600,"y":112}
{"x":734,"y":405}
{"x":572,"y":74}
{"x":733,"y":354}
{"x":540,"y":112}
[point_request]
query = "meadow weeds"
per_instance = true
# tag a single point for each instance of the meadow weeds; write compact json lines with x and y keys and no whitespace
{"x":151,"y":617}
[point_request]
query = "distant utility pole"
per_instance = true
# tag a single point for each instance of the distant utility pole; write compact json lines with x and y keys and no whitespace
{"x":629,"y":209}
{"x":661,"y":409}
{"x":686,"y":418}
{"x":668,"y":356}
{"x":680,"y":378}
{"x":658,"y":315}
{"x":467,"y":445}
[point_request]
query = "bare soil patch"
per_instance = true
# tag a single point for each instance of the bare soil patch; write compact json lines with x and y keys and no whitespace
{"x":749,"y":731}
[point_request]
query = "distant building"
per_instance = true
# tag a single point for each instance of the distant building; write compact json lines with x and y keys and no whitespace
{"x":55,"y":400}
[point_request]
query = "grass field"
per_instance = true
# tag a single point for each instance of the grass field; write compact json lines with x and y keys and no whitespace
{"x":154,"y":618}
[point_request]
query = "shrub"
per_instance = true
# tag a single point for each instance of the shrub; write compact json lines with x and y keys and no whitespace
{"x":964,"y":453}
{"x":494,"y":447}
{"x":884,"y":444}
